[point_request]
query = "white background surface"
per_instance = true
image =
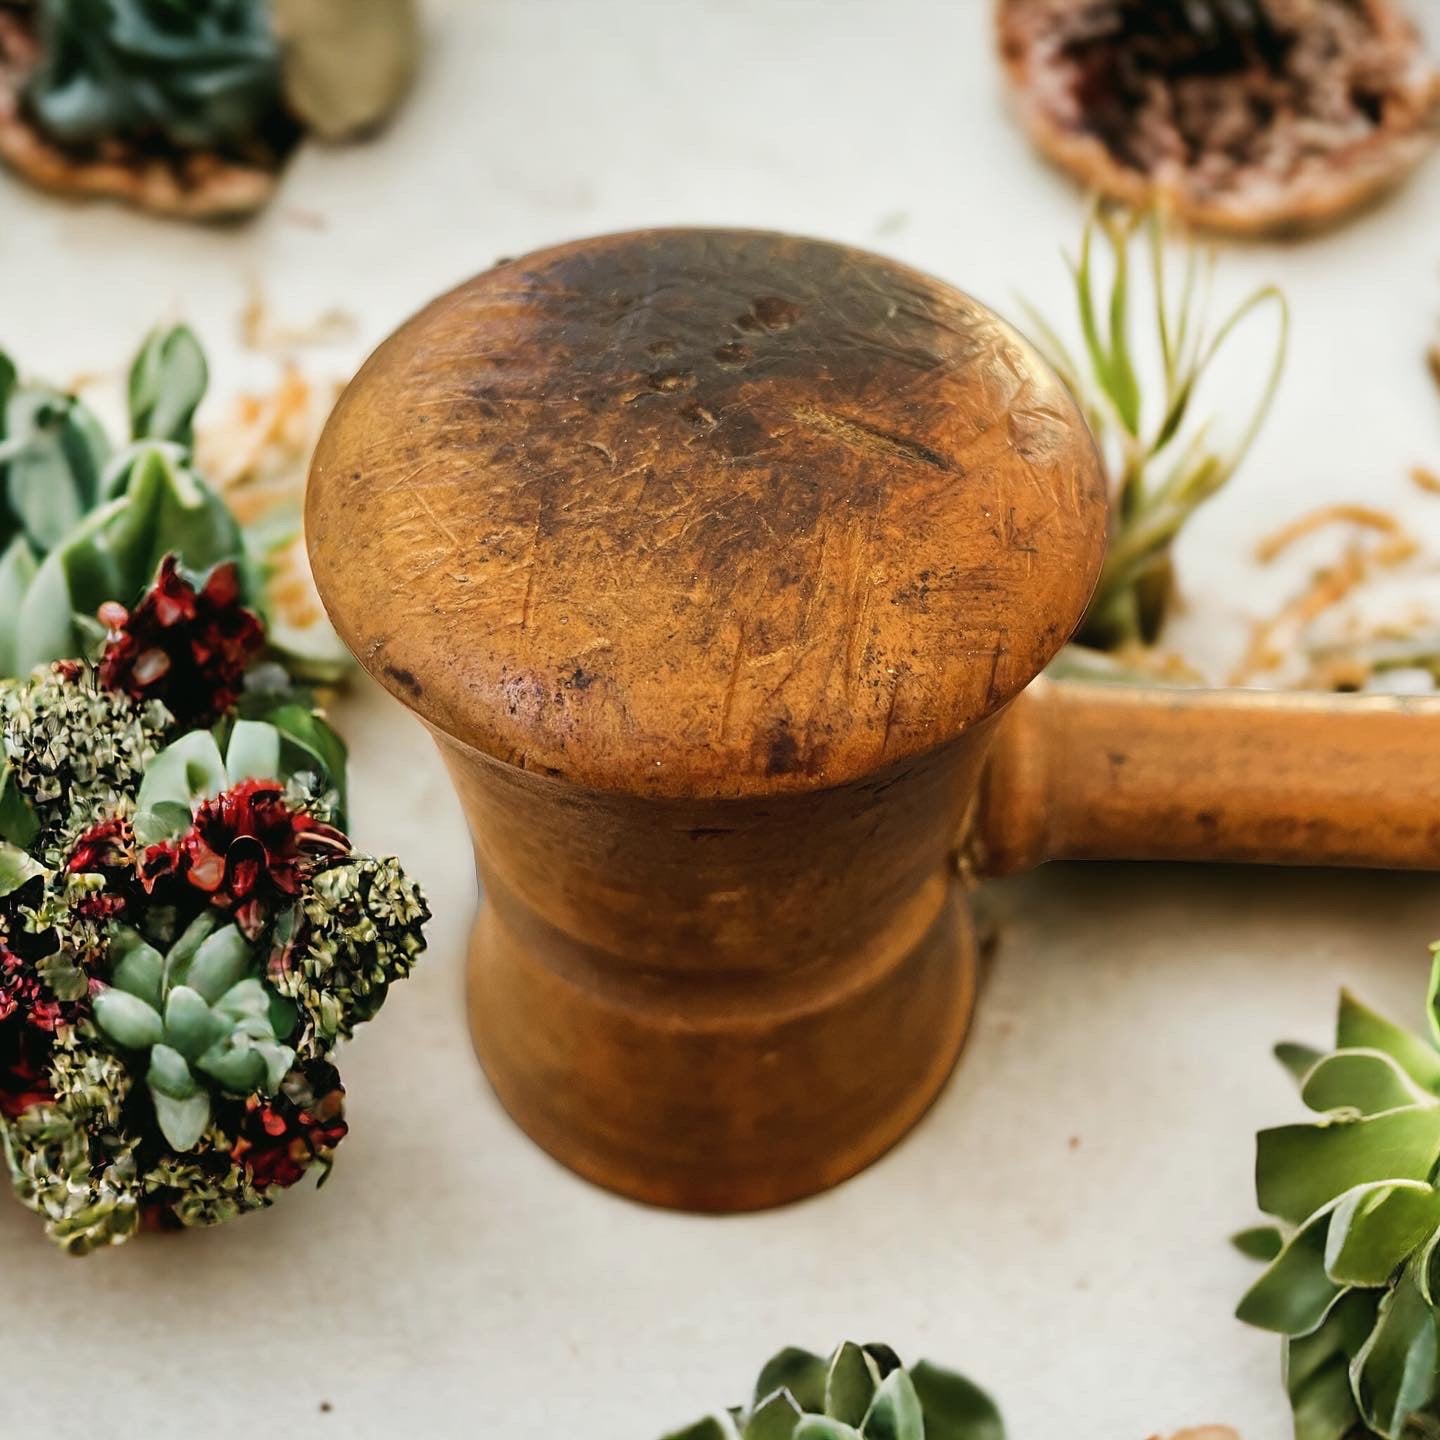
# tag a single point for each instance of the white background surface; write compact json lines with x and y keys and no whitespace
{"x":1056,"y":1227}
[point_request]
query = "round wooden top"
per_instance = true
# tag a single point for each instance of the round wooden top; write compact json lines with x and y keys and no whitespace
{"x":704,"y":513}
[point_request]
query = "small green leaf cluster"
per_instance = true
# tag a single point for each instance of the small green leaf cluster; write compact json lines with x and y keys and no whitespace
{"x":82,"y":522}
{"x":1163,"y":467}
{"x":204,"y":74}
{"x":205,"y":1189}
{"x":1353,"y":1274}
{"x":360,"y":930}
{"x":862,"y":1392}
{"x":69,"y":751}
{"x":82,"y":1181}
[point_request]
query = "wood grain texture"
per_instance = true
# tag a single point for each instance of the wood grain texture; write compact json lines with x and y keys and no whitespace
{"x":710,"y":558}
{"x":720,"y":1004}
{"x":705,"y":512}
{"x":1113,"y":772}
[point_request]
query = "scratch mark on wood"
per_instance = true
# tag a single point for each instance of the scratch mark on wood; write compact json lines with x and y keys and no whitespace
{"x":864,"y":436}
{"x":890,"y":715}
{"x":435,"y":520}
{"x":727,"y":704}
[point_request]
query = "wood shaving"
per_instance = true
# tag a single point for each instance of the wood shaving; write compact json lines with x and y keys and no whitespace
{"x":257,"y":456}
{"x":1378,"y":544}
{"x":262,"y":332}
{"x":1167,"y":666}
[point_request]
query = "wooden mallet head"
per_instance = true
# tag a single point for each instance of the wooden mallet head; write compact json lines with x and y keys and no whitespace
{"x":712,"y":560}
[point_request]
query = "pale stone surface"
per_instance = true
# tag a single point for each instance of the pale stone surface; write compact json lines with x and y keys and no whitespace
{"x":1057,"y":1226}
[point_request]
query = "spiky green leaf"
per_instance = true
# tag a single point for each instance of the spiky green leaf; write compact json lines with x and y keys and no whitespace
{"x":797,"y":1371}
{"x":170,"y":1073}
{"x":16,"y":868}
{"x":1394,"y":1374}
{"x":895,"y":1412}
{"x":1360,"y":1028}
{"x":954,"y":1408}
{"x":189,"y":770}
{"x":253,"y":752}
{"x":1367,"y":1081}
{"x":773,"y":1419}
{"x":167,"y":382}
{"x":221,"y":961}
{"x":1301,"y":1168}
{"x":140,"y":971}
{"x":189,"y":1024}
{"x":1261,"y":1242}
{"x":850,"y":1384}
{"x":1376,"y":1228}
{"x":1294,"y":1294}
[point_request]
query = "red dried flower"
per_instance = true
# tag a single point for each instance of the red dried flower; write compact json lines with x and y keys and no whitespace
{"x":21,"y":994}
{"x":185,"y":647}
{"x":107,"y":849}
{"x":28,"y":1020}
{"x":104,"y":848}
{"x":24,"y":1060}
{"x":282,"y":1136}
{"x":247,"y":851}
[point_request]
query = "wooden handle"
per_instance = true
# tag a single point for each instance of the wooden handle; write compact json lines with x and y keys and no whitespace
{"x":1091,"y":771}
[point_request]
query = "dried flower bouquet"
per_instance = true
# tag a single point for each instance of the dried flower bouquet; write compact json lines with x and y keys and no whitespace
{"x":186,"y":931}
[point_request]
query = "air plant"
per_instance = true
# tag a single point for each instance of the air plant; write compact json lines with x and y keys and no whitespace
{"x":1163,"y":462}
{"x":862,"y":1392}
{"x":1352,"y":1282}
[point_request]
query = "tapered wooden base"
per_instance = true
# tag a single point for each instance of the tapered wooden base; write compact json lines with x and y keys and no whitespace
{"x":733,"y":1097}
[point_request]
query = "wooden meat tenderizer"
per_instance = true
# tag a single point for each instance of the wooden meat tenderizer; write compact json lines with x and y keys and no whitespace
{"x":718,"y":563}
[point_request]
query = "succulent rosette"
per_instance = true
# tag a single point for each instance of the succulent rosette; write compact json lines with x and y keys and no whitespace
{"x":191,"y":107}
{"x":1352,"y":1281}
{"x":185,"y":928}
{"x":862,"y":1392}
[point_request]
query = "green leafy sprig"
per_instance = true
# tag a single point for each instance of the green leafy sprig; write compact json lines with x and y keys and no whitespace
{"x":1163,"y":463}
{"x":862,"y":1392}
{"x":1352,"y":1280}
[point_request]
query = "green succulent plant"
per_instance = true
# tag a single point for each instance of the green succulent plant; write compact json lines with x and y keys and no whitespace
{"x":862,"y":1392}
{"x":1352,"y":1280}
{"x":82,"y":523}
{"x":193,"y":73}
{"x":1163,"y":464}
{"x":204,"y":1017}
